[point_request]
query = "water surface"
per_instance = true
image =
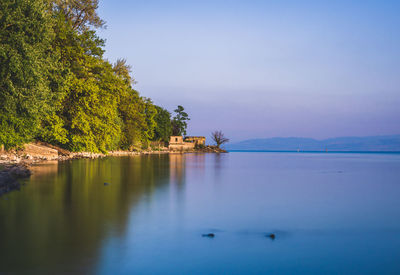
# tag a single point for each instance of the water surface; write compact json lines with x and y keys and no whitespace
{"x":331,"y":213}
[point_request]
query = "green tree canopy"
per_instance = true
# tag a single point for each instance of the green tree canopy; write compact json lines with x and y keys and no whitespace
{"x":179,"y":123}
{"x":79,"y":14}
{"x":25,"y":65}
{"x":56,"y":86}
{"x":163,"y":129}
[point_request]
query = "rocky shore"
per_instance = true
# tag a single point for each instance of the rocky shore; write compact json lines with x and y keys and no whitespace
{"x":15,"y":164}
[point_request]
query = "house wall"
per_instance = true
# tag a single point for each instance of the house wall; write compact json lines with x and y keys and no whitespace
{"x":176,"y":143}
{"x":176,"y":140}
{"x":181,"y":147}
{"x":196,"y":140}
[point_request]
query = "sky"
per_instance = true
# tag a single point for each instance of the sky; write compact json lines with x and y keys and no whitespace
{"x":258,"y":69}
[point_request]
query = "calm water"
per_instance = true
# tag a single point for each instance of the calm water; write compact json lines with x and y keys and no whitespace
{"x":331,"y":213}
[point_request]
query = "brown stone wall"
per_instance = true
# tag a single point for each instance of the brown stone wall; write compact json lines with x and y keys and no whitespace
{"x":176,"y":140}
{"x":196,"y":140}
{"x":181,"y":147}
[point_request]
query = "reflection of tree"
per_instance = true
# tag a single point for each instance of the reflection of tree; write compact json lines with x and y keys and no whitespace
{"x":65,"y":211}
{"x":218,"y":161}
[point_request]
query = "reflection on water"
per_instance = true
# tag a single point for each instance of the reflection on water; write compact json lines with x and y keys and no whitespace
{"x":332,"y":213}
{"x":65,"y":211}
{"x":177,"y":168}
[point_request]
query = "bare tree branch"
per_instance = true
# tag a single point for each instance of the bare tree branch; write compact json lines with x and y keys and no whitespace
{"x":219,"y":138}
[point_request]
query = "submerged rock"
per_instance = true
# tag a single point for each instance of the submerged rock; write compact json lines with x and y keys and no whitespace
{"x":271,"y":236}
{"x":209,"y":235}
{"x":10,"y":175}
{"x":19,"y":171}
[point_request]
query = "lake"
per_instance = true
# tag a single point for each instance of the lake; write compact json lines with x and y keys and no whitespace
{"x":331,"y":213}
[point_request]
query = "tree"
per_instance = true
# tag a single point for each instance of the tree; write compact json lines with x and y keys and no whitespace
{"x":219,"y":138}
{"x":76,"y":52}
{"x":25,"y":63}
{"x":131,"y":109}
{"x":91,"y":109}
{"x":163,"y":129}
{"x":79,"y":14}
{"x":150,"y":112}
{"x":56,"y":86}
{"x":87,"y":116}
{"x":179,"y":123}
{"x":124,"y":71}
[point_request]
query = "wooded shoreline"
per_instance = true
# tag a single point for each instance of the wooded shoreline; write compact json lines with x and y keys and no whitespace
{"x":16,"y":164}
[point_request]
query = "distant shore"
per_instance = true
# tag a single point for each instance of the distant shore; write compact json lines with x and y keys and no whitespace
{"x":316,"y":152}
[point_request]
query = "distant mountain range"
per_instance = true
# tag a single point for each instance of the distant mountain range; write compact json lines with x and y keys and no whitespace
{"x":372,"y":143}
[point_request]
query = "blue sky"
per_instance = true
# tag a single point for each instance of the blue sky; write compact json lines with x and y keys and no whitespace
{"x":265,"y":68}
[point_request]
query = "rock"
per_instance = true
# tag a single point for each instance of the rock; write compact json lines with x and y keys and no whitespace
{"x":209,"y":235}
{"x":7,"y":183}
{"x":39,"y":151}
{"x":29,"y":157}
{"x":6,"y":178}
{"x":9,"y":177}
{"x":271,"y":236}
{"x":19,"y":172}
{"x":15,"y":159}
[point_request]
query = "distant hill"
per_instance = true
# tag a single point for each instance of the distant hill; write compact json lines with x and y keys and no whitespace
{"x":373,"y":143}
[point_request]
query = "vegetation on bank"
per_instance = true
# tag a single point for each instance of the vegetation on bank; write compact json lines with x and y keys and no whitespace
{"x":56,"y":86}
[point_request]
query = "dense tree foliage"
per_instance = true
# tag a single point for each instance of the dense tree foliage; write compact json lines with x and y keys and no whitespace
{"x":25,"y":65}
{"x":79,"y":14}
{"x":163,"y":128}
{"x":56,"y":86}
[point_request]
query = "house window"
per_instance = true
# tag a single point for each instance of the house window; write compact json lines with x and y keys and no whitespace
{"x":176,"y":139}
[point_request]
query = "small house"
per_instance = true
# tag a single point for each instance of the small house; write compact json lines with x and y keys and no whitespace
{"x":176,"y":143}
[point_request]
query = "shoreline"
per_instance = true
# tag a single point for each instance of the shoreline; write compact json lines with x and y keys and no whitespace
{"x":16,"y":164}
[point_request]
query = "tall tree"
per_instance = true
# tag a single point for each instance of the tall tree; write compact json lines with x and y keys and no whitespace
{"x":80,"y":14}
{"x":179,"y":122}
{"x":25,"y":65}
{"x":123,"y":70}
{"x":163,"y":129}
{"x":131,"y":110}
{"x":91,"y":109}
{"x":87,"y":117}
{"x":150,"y":112}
